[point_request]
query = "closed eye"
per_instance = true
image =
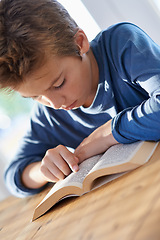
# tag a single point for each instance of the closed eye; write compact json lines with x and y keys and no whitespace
{"x":59,"y":85}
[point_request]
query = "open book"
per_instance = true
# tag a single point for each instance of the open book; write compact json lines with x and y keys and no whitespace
{"x":96,"y":171}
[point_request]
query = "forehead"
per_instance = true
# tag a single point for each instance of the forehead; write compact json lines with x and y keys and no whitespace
{"x":40,"y":79}
{"x":50,"y":64}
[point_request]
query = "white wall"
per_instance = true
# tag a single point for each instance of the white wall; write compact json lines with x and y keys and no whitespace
{"x":144,"y":13}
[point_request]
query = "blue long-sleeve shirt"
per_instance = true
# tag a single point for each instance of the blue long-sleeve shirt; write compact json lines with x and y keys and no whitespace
{"x":128,"y":93}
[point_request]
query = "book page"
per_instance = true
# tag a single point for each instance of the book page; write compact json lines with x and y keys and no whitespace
{"x":98,"y":182}
{"x":84,"y":169}
{"x":117,"y":155}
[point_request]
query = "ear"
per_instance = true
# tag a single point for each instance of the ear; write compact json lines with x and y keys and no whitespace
{"x":82,"y":42}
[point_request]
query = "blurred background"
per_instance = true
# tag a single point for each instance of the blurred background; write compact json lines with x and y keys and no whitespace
{"x":92,"y":16}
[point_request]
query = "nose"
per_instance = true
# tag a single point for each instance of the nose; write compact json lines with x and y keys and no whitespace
{"x":53,"y":101}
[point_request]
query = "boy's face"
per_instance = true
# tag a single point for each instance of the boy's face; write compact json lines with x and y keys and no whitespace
{"x":63,"y":83}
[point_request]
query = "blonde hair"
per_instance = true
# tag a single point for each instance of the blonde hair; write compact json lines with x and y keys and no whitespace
{"x":28,"y":30}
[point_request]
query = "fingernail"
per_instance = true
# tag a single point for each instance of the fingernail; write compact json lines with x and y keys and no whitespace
{"x":75,"y":168}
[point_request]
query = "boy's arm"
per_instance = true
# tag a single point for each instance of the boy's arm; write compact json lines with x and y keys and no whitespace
{"x":97,"y":142}
{"x":133,"y":59}
{"x":137,"y":62}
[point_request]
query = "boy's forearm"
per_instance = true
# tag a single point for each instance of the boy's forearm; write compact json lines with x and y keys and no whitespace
{"x":32,"y":177}
{"x":97,"y":142}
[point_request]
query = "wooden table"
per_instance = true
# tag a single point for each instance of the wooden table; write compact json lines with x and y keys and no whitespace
{"x":127,"y":208}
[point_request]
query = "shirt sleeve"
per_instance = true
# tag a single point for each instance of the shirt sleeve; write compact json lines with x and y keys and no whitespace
{"x":136,"y":58}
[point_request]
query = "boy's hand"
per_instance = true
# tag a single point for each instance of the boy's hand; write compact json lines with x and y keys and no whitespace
{"x":97,"y":142}
{"x":58,"y":163}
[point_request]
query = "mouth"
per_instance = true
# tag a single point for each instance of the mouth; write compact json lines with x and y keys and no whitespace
{"x":70,"y":107}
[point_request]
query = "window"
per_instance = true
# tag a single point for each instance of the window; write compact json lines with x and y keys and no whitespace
{"x":83,"y":18}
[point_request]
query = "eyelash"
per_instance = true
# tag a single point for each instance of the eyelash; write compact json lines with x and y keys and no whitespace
{"x":61,"y":85}
{"x":58,"y":87}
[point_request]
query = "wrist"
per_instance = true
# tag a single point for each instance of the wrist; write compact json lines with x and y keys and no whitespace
{"x":109,"y":136}
{"x":32,"y":176}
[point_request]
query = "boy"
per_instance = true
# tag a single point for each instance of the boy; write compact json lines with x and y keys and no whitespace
{"x":90,"y":96}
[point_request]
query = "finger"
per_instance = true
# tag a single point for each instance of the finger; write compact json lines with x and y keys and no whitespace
{"x":81,"y":150}
{"x":81,"y":154}
{"x":47,"y":165}
{"x":69,"y":157}
{"x":48,"y":175}
{"x":61,"y":164}
{"x":56,"y":171}
{"x":55,"y":161}
{"x":76,"y":159}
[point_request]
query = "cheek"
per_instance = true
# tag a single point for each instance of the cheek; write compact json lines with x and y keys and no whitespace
{"x":78,"y":87}
{"x":79,"y":82}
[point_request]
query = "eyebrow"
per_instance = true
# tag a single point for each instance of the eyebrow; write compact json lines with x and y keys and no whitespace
{"x":53,"y":82}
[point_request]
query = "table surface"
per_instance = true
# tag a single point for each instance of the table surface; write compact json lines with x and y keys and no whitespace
{"x":127,"y":208}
